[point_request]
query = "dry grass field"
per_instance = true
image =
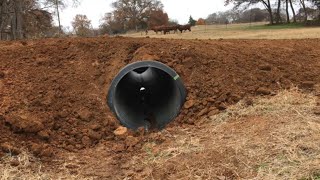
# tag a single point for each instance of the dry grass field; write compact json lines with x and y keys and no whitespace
{"x":241,"y":31}
{"x":274,"y":138}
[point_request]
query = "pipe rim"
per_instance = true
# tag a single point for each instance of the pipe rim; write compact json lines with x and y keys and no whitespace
{"x":139,"y":64}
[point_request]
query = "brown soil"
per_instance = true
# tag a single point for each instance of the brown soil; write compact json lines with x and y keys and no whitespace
{"x":53,"y":92}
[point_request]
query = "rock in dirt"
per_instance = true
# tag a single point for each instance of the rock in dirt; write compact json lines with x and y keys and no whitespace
{"x":131,"y":141}
{"x":263,"y":91}
{"x":41,"y":150}
{"x":120,"y":131}
{"x":189,"y":104}
{"x":25,"y":124}
{"x":307,"y":84}
{"x":248,"y":101}
{"x":72,"y":166}
{"x":94,"y":135}
{"x":45,"y":134}
{"x":86,"y":141}
{"x":222,"y":107}
{"x":213,"y":112}
{"x":118,"y":147}
{"x":14,"y":163}
{"x":203,"y":112}
{"x":85,"y":114}
{"x":46,"y":152}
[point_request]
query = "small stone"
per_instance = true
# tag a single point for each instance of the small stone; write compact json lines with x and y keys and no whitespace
{"x":95,"y":127}
{"x":44,"y":134}
{"x":222,"y":107}
{"x":307,"y":84}
{"x":14,"y":163}
{"x":203,"y":112}
{"x":204,"y":102}
{"x":94,"y":135}
{"x":265,"y":67}
{"x":131,"y":141}
{"x":70,"y":148}
{"x":118,"y":147}
{"x":211,"y":99}
{"x":47,"y":152}
{"x":63,"y":114}
{"x":189,"y":104}
{"x":120,"y":131}
{"x":85,"y":114}
{"x":72,"y":166}
{"x":86,"y":141}
{"x":248,"y":101}
{"x":263,"y":91}
{"x":139,"y":168}
{"x":213,"y":112}
{"x":35,"y":148}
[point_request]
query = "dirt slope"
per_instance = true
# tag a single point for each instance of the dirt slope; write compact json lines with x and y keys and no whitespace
{"x":53,"y":91}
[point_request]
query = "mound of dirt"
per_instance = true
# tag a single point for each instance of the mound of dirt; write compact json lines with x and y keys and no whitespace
{"x":53,"y":92}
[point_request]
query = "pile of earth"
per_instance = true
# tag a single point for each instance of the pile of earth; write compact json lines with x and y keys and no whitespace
{"x":53,"y":91}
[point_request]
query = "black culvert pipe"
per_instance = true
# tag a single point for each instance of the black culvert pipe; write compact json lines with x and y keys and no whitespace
{"x":146,"y":94}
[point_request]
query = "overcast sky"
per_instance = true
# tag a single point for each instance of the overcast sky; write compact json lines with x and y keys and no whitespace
{"x":179,"y":10}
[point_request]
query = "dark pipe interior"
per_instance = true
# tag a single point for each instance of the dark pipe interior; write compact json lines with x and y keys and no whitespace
{"x":147,"y":97}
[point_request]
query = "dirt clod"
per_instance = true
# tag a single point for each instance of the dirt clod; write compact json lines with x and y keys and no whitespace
{"x":86,"y":141}
{"x":2,"y":75}
{"x":25,"y":124}
{"x":263,"y":91}
{"x":265,"y":67}
{"x":94,"y":135}
{"x":8,"y":148}
{"x":307,"y":84}
{"x":213,"y":112}
{"x":44,"y":134}
{"x":203,"y":112}
{"x":118,"y":147}
{"x":85,"y":114}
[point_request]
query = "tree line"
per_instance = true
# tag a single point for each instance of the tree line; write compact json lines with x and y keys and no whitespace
{"x":34,"y":18}
{"x":279,"y":10}
{"x":21,"y":19}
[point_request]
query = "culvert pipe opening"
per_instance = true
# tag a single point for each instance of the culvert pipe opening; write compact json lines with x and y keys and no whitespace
{"x":146,"y":94}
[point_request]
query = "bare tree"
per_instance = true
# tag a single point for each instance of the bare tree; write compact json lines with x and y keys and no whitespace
{"x":278,"y":17}
{"x":11,"y":23}
{"x":303,"y":4}
{"x":81,"y":25}
{"x":287,"y":11}
{"x":57,"y":5}
{"x":247,"y":3}
{"x":135,"y":11}
{"x":293,"y":11}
